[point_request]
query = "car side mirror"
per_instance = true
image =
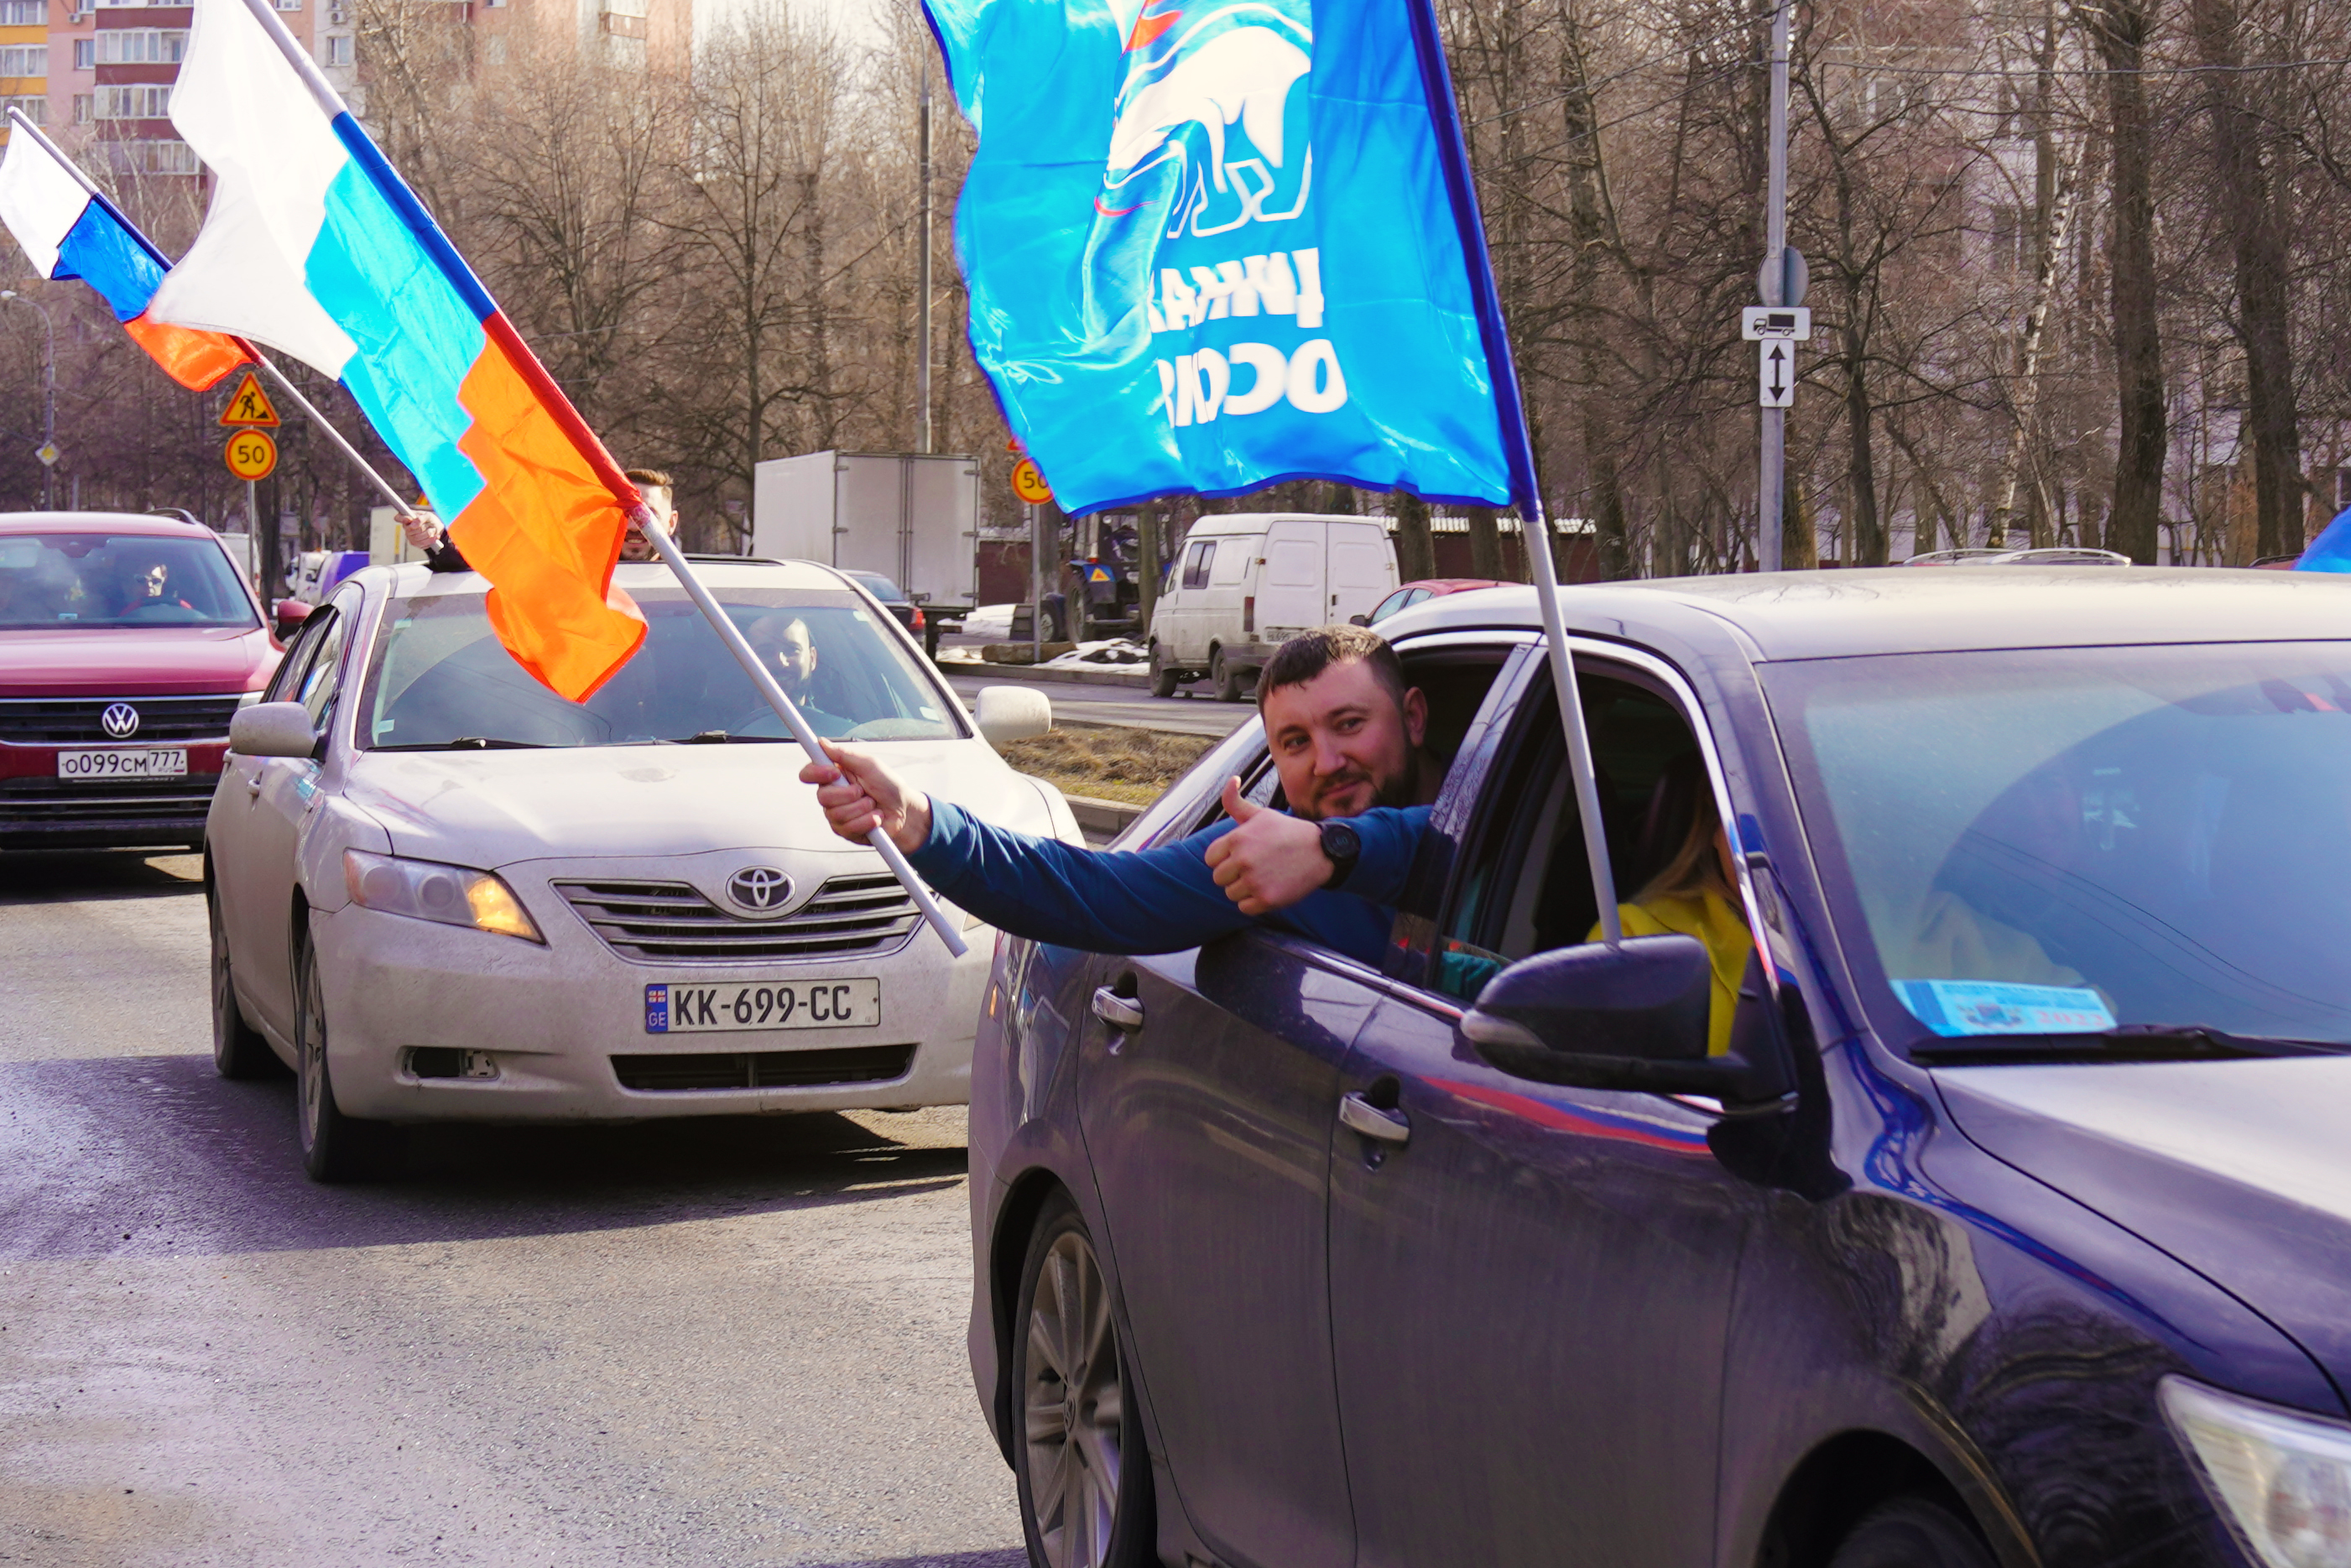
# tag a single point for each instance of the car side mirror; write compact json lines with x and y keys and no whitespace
{"x":273,"y":730}
{"x":1007,"y":714}
{"x":1632,"y":1017}
{"x":289,"y":615}
{"x":1359,"y":620}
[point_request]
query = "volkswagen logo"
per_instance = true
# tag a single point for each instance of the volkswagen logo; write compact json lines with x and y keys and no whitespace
{"x":761,"y":889}
{"x":120,"y":720}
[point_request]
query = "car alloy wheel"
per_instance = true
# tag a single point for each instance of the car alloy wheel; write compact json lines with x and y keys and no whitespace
{"x":238,"y":1050}
{"x":1083,"y":1472}
{"x":335,"y":1147}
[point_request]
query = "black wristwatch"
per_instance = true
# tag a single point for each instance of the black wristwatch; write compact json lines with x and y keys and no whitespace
{"x":1341,"y":845}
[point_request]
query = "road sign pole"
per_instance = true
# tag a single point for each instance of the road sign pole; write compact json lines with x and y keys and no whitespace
{"x":253,"y":538}
{"x":1771,"y":486}
{"x":1035,"y":591}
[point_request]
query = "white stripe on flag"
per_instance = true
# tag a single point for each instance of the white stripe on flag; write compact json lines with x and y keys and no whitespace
{"x":273,"y":155}
{"x":40,"y":200}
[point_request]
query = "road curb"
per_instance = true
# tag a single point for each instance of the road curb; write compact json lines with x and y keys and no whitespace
{"x":1101,"y":816}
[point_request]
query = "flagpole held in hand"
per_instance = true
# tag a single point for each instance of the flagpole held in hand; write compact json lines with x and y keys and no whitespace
{"x":773,"y":691}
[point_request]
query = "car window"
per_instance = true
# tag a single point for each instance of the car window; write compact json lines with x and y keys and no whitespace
{"x":1195,"y":563}
{"x":322,"y":681}
{"x":1390,"y":604}
{"x":87,"y":580}
{"x":1524,"y":884}
{"x":288,"y":681}
{"x":439,"y":676}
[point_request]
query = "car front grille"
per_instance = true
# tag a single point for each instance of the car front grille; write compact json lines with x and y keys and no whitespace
{"x":764,"y":1069}
{"x":67,"y":802}
{"x":671,"y":922}
{"x":75,"y":721}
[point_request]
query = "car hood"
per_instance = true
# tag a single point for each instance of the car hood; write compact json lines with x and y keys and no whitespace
{"x":2242,"y":1170}
{"x":492,"y":809}
{"x":133,"y":660}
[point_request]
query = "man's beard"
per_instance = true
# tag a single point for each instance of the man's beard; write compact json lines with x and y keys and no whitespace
{"x":1397,"y":790}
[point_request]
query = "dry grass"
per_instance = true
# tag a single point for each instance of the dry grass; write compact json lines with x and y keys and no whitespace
{"x":1109,"y":763}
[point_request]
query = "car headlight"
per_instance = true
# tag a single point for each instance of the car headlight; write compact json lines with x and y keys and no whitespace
{"x":427,"y":890}
{"x":2283,"y":1478}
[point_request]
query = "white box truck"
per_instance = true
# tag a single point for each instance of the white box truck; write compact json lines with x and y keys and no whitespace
{"x":914,"y":518}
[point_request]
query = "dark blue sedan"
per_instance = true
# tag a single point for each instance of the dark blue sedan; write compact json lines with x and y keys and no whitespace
{"x":2009,"y":1223}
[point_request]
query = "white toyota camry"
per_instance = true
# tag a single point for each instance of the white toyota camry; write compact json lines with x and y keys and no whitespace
{"x":440,"y":893}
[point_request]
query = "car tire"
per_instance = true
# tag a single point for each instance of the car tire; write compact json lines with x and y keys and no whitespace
{"x":1228,"y":679}
{"x":335,"y":1147}
{"x":1912,"y":1533}
{"x":238,"y":1050}
{"x":1164,"y":677}
{"x":1081,"y":1467}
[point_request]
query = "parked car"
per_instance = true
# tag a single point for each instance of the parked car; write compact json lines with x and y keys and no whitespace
{"x":2009,"y":1230}
{"x":126,"y":644}
{"x":441,"y":893}
{"x":1248,"y":581}
{"x":1419,"y":593}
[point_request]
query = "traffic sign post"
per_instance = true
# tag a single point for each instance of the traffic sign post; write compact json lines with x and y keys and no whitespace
{"x":1775,"y":378}
{"x":1761,"y":323}
{"x":48,"y":452}
{"x":1029,"y":482}
{"x":251,"y":456}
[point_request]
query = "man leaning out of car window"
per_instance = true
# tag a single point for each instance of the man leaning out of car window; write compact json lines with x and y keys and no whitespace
{"x":1348,"y":740}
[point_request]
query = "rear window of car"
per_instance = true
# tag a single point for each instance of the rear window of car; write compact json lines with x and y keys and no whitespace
{"x":438,"y":677}
{"x":96,"y":581}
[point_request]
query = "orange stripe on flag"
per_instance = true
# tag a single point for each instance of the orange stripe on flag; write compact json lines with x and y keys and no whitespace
{"x":197,"y":360}
{"x":546,"y":532}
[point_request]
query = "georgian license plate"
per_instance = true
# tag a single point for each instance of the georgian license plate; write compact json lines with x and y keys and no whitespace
{"x":146,"y":762}
{"x":695,"y":1007}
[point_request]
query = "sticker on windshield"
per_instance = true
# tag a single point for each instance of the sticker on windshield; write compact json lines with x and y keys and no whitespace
{"x":1996,"y":1007}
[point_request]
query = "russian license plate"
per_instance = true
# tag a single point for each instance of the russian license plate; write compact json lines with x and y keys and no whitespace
{"x":147,"y":762}
{"x":691,"y":1006}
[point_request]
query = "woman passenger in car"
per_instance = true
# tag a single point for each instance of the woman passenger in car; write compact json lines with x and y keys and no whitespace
{"x":1695,"y":892}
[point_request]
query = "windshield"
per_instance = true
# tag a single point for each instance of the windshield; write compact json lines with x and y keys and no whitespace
{"x":118,"y":580}
{"x":2058,"y":841}
{"x":439,"y":677}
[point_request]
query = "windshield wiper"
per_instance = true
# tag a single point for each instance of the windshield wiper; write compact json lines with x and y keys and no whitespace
{"x":2124,"y":1042}
{"x":470,"y":743}
{"x":720,"y":738}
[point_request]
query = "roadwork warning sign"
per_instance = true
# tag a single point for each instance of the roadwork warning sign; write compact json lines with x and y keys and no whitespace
{"x":248,"y":404}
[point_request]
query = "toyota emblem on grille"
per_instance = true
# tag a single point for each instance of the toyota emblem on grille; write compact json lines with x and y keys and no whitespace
{"x":120,"y":720}
{"x":761,"y":889}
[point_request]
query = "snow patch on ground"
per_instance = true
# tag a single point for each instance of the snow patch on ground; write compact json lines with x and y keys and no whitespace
{"x":1111,"y":650}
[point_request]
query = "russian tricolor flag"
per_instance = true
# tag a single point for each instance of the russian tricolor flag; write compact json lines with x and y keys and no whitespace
{"x":314,"y":244}
{"x":69,"y":230}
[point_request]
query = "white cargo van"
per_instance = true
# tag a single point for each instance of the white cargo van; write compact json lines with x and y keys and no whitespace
{"x":1246,"y":582}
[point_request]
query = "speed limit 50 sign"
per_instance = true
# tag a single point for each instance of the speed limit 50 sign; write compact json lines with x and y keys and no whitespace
{"x":251,"y":454}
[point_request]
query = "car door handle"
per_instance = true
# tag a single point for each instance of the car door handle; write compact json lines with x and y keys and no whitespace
{"x":1119,"y":1012}
{"x":1387,"y":1127}
{"x":253,"y":784}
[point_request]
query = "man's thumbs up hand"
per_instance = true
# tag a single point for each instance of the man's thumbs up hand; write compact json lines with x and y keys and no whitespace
{"x":1269,"y":861}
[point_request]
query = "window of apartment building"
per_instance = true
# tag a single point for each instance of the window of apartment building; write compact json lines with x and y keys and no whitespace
{"x":138,"y":47}
{"x":2012,"y":241}
{"x":158,"y":157}
{"x":336,"y":50}
{"x":35,"y":108}
{"x":288,"y":5}
{"x":142,"y":101}
{"x":82,"y":108}
{"x":24,"y":60}
{"x":85,"y":54}
{"x":23,"y":13}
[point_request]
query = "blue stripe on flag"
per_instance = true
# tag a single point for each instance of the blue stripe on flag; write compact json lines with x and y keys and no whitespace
{"x":417,"y":337}
{"x":412,"y":216}
{"x":108,"y":256}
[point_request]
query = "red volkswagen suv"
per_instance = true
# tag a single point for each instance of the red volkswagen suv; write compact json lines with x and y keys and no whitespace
{"x":125,"y":644}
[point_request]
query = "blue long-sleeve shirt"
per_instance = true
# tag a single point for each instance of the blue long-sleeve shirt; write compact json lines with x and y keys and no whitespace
{"x":1160,"y":900}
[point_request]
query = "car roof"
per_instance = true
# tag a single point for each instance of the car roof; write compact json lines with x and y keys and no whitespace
{"x":1257,"y":522}
{"x":415,"y":579}
{"x":1892,"y":610}
{"x":101,"y":523}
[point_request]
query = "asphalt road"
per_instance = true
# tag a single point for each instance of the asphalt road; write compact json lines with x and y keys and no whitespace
{"x":1077,"y":704}
{"x":725,"y":1343}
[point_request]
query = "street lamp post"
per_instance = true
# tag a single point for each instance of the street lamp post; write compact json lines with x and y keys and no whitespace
{"x":49,"y":399}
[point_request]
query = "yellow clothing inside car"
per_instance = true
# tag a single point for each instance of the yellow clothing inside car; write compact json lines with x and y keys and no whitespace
{"x":1713,"y":920}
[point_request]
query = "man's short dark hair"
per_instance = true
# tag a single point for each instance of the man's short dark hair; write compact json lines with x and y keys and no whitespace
{"x":1307,"y":655}
{"x":640,"y":477}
